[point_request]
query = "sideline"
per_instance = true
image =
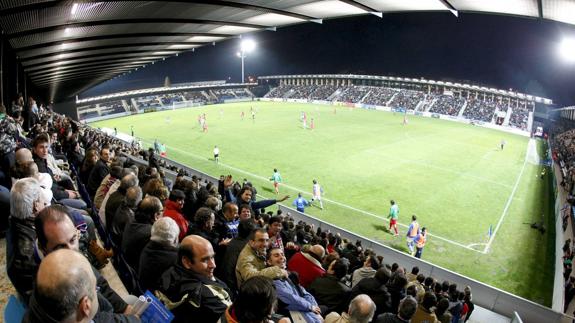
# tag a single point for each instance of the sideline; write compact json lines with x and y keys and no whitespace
{"x":324,"y":199}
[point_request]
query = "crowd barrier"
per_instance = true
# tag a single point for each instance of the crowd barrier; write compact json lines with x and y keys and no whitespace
{"x":488,"y":297}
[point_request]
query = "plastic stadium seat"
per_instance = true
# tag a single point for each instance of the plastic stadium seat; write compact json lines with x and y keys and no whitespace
{"x":14,"y":310}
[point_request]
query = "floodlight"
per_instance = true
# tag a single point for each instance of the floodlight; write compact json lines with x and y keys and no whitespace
{"x":247,"y":45}
{"x":567,"y":49}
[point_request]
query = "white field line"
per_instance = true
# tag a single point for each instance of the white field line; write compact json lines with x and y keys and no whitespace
{"x":509,"y":200}
{"x":324,"y":199}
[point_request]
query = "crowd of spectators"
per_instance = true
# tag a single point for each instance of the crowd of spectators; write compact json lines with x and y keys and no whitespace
{"x":353,"y":93}
{"x":479,"y":110}
{"x":323,"y":92}
{"x":379,"y":96}
{"x":448,"y":105}
{"x":519,"y":117}
{"x":208,"y":251}
{"x":407,"y":99}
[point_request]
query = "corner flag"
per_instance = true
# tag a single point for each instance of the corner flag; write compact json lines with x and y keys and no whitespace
{"x":490,"y":232}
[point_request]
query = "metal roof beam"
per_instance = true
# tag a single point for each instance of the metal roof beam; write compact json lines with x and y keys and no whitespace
{"x":128,"y":54}
{"x":116,"y":36}
{"x":128,"y":20}
{"x":89,"y":63}
{"x":77,"y":76}
{"x":450,"y":7}
{"x":363,"y":7}
{"x":87,"y":72}
{"x":57,"y":71}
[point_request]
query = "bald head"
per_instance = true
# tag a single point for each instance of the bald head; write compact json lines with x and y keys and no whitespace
{"x":318,"y":251}
{"x":23,"y":155}
{"x":66,"y":287}
{"x":361,"y":309}
{"x":197,"y":255}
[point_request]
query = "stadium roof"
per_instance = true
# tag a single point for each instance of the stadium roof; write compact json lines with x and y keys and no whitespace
{"x":67,"y":46}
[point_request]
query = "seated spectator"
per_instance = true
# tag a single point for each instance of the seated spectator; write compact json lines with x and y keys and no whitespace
{"x":375,"y":288}
{"x":252,"y":259}
{"x":274,"y":229}
{"x":100,"y":170}
{"x":173,"y":209}
{"x":137,"y":234}
{"x":65,"y":290}
{"x":26,"y":201}
{"x":160,"y":253}
{"x":227,"y":269}
{"x":88,"y":164}
{"x":114,"y":175}
{"x":424,"y":312}
{"x":396,"y":287}
{"x":308,"y":264}
{"x":329,"y":291}
{"x":189,"y":289}
{"x":412,"y":276}
{"x":291,"y":296}
{"x":204,"y":226}
{"x":55,"y":230}
{"x":407,"y":309}
{"x":441,"y":311}
{"x":125,"y":214}
{"x":227,"y":221}
{"x":370,"y":266}
{"x":361,"y":310}
{"x":245,"y":196}
{"x":255,"y":303}
{"x":419,"y":288}
{"x":115,"y":199}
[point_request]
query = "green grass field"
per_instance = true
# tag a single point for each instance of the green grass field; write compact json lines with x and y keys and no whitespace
{"x":453,"y":176}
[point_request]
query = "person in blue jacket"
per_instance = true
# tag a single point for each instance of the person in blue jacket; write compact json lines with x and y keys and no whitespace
{"x":245,"y":196}
{"x":300,"y":203}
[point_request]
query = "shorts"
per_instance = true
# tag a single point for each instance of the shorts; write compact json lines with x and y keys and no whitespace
{"x":276,"y":184}
{"x":216,"y":156}
{"x":392,"y":221}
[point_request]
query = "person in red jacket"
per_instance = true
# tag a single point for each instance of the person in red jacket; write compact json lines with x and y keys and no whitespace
{"x":173,"y":209}
{"x":308,"y":264}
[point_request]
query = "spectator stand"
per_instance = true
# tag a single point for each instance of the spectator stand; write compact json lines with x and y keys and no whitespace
{"x":485,"y":296}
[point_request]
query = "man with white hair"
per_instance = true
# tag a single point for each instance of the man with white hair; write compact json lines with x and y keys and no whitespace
{"x":26,"y":201}
{"x":65,"y":290}
{"x":160,"y":253}
{"x":361,"y":310}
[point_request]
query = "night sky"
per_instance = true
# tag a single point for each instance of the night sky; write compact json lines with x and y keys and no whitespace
{"x":497,"y":51}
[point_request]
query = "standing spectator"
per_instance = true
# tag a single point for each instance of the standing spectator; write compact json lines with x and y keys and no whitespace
{"x":125,"y":214}
{"x":375,"y":288}
{"x":393,"y":215}
{"x":441,"y":311}
{"x":468,"y":300}
{"x":227,"y":221}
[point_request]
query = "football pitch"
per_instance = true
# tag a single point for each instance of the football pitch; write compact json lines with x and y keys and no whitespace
{"x":453,"y":176}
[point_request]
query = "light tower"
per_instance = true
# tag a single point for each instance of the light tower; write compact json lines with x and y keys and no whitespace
{"x":246,"y":46}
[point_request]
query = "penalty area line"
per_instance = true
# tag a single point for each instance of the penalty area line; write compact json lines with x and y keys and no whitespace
{"x":324,"y":199}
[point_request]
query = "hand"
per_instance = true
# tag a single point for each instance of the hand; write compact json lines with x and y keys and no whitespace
{"x":225,"y":242}
{"x":57,"y":177}
{"x":283,"y":198}
{"x":128,"y":310}
{"x":228,"y":181}
{"x":316,"y":310}
{"x":72,"y":194}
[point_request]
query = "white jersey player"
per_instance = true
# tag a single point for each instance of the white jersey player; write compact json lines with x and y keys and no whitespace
{"x":316,"y":192}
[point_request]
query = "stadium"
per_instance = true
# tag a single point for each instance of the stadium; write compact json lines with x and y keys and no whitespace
{"x":450,"y":119}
